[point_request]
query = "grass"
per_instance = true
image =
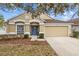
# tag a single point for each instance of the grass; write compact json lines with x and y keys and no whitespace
{"x":26,"y":50}
{"x":23,"y":47}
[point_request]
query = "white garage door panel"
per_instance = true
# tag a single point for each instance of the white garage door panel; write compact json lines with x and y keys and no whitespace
{"x":56,"y":31}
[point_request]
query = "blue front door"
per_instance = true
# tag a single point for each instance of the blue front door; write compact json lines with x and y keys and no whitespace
{"x":34,"y":30}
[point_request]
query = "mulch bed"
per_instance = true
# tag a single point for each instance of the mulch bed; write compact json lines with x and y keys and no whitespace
{"x":22,"y":41}
{"x":25,"y":47}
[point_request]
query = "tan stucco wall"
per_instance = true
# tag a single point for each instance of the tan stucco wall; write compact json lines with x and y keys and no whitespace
{"x":27,"y":28}
{"x":6,"y":27}
{"x":44,"y":16}
{"x":42,"y":28}
{"x":11,"y":28}
{"x":56,"y":31}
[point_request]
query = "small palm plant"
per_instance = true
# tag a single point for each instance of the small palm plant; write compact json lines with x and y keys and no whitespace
{"x":1,"y":20}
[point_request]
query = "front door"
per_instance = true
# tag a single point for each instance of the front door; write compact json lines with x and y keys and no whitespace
{"x":34,"y":30}
{"x":20,"y":29}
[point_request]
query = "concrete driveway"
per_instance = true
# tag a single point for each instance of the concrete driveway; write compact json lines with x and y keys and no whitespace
{"x":64,"y":46}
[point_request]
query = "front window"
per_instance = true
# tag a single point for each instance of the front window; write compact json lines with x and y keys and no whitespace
{"x":20,"y":29}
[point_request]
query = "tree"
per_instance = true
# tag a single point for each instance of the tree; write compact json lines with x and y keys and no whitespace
{"x":1,"y":20}
{"x":57,"y":8}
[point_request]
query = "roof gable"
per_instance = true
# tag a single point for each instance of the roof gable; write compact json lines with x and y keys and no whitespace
{"x":23,"y":16}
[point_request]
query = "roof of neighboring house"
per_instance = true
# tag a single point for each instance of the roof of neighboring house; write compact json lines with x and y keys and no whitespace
{"x":75,"y":21}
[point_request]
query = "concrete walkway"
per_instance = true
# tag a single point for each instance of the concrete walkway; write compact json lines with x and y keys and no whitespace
{"x":64,"y":46}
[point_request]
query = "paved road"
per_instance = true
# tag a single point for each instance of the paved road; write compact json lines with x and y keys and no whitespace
{"x":64,"y":46}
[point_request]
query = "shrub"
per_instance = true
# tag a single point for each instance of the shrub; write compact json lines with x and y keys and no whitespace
{"x":75,"y":34}
{"x":41,"y":36}
{"x":26,"y":36}
{"x":11,"y":36}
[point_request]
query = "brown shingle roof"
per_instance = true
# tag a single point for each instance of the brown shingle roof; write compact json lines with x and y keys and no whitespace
{"x":55,"y":21}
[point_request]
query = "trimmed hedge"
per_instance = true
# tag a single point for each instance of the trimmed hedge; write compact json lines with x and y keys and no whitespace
{"x":41,"y":36}
{"x":11,"y":36}
{"x":76,"y":34}
{"x":26,"y":36}
{"x":8,"y":36}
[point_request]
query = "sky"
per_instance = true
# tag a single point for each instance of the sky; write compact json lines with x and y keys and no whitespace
{"x":67,"y":15}
{"x":9,"y":15}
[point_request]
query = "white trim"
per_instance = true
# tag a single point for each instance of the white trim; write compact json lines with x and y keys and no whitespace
{"x":11,"y":23}
{"x":19,"y":24}
{"x":3,"y":33}
{"x":11,"y":33}
{"x":41,"y":23}
{"x":16,"y":21}
{"x":27,"y":23}
{"x":19,"y":20}
{"x":34,"y":20}
{"x":44,"y":31}
{"x":41,"y":32}
{"x":69,"y":30}
{"x":16,"y":28}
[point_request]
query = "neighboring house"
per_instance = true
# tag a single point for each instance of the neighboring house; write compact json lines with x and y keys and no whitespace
{"x":75,"y":25}
{"x":24,"y":24}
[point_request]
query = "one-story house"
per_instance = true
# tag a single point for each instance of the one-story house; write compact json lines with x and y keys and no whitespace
{"x":25,"y":24}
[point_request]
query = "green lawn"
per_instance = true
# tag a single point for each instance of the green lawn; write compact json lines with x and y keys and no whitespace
{"x":26,"y":50}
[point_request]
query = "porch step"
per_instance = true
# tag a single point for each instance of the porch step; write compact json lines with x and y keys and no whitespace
{"x":34,"y":37}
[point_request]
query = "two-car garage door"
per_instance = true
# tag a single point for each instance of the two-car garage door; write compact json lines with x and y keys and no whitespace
{"x":56,"y":31}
